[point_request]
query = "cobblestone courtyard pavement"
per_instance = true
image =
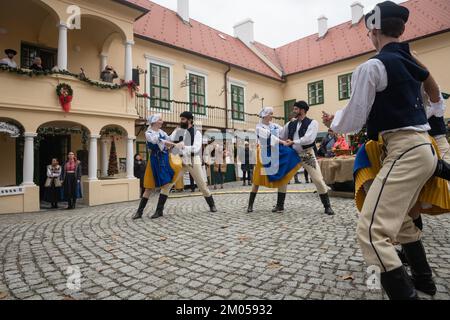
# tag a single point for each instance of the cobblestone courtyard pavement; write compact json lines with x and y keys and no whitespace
{"x":192,"y":254}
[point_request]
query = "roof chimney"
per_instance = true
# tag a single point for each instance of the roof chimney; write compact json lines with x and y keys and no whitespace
{"x":323,"y":26}
{"x":244,"y":31}
{"x":357,"y":12}
{"x":183,"y":10}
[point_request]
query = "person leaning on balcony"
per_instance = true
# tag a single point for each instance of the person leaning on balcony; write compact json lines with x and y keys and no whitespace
{"x":9,"y":59}
{"x":37,"y":64}
{"x":53,"y":183}
{"x":109,"y":74}
{"x":72,"y":177}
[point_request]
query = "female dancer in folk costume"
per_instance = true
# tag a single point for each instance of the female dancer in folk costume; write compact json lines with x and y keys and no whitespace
{"x":276,"y":164}
{"x":163,"y":168}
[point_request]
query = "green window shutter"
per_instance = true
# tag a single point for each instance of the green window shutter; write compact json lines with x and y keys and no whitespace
{"x":237,"y":103}
{"x":159,"y":86}
{"x":197,"y":94}
{"x":345,"y":86}
{"x":316,"y":93}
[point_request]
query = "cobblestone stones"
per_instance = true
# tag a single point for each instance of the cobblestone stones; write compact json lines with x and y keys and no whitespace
{"x":193,"y":254}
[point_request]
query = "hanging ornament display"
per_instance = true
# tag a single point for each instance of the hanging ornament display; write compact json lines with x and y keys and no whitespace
{"x":65,"y":96}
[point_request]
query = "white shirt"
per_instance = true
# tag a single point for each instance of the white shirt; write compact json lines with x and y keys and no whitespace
{"x":10,"y":63}
{"x":187,"y":151}
{"x":272,"y":131}
{"x":157,"y":137}
{"x":368,"y":79}
{"x":436,"y":109}
{"x":308,"y":139}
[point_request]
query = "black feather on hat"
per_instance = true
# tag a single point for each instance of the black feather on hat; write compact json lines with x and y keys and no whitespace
{"x":10,"y":51}
{"x":386,"y":9}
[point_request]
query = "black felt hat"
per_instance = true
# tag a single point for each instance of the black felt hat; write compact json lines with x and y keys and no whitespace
{"x":188,"y":115}
{"x":10,"y":51}
{"x":302,"y":105}
{"x":386,"y":9}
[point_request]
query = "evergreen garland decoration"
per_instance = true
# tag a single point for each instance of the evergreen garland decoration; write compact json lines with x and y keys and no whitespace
{"x":34,"y":73}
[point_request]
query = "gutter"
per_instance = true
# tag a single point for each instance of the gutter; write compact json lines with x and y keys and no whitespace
{"x":226,"y":95}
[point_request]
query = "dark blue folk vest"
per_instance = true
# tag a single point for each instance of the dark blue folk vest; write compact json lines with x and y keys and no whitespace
{"x":301,"y":133}
{"x":400,"y":104}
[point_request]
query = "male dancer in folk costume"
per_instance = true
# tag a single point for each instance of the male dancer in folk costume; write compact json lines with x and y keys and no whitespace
{"x":276,"y":163}
{"x":387,"y":97}
{"x":188,"y":145}
{"x":301,"y":135}
{"x":161,"y":172}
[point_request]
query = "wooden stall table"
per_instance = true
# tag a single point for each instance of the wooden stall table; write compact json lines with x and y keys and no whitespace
{"x":338,"y":173}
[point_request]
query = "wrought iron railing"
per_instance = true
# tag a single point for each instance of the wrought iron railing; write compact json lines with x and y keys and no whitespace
{"x":207,"y":116}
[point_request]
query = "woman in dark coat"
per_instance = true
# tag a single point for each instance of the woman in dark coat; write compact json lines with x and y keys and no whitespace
{"x":71,"y":178}
{"x":139,"y":171}
{"x":53,"y":183}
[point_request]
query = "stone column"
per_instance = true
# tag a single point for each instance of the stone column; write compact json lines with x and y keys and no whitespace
{"x":93,"y":159}
{"x":104,"y":143}
{"x":28,"y":159}
{"x":129,"y":60}
{"x":103,"y":61}
{"x":62,"y":46}
{"x":130,"y":159}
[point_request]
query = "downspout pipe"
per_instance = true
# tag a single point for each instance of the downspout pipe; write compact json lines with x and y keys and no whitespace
{"x":226,"y":95}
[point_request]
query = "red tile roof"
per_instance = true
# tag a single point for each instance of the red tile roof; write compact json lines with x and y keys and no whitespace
{"x":346,"y":41}
{"x":269,"y":53}
{"x":342,"y":42}
{"x":164,"y":26}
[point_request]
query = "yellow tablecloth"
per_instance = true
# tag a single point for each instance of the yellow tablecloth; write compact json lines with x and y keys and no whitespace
{"x":337,"y":170}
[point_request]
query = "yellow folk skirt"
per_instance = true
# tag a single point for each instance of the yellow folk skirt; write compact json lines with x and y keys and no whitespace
{"x":261,"y":179}
{"x":435,"y":192}
{"x":175,"y":163}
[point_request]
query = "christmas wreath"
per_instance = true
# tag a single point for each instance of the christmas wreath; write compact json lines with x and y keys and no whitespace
{"x":65,"y":95}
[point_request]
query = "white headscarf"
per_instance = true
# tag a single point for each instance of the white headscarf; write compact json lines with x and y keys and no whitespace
{"x":265,"y":112}
{"x":154,"y":118}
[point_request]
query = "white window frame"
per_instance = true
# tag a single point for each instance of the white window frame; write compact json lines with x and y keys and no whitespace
{"x":201,"y":73}
{"x":164,"y":63}
{"x":238,"y":83}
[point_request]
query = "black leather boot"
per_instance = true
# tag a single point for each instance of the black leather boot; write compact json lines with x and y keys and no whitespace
{"x":419,"y":223}
{"x":279,"y":208}
{"x":74,"y":203}
{"x":326,"y":204}
{"x":160,"y":207}
{"x":422,"y":275}
{"x":211,"y":204}
{"x":69,"y":204}
{"x":443,"y":170}
{"x":140,"y":212}
{"x":401,"y":255}
{"x":398,"y":285}
{"x":251,"y":201}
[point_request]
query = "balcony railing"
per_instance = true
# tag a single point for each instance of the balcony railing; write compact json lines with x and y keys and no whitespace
{"x":207,"y":116}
